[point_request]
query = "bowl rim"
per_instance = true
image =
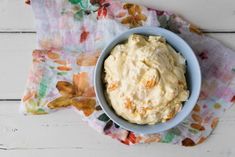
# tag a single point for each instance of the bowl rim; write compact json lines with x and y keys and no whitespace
{"x":144,"y":129}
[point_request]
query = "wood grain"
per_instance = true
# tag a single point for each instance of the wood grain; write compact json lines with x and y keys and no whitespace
{"x":15,"y":61}
{"x":64,"y":133}
{"x":15,"y":16}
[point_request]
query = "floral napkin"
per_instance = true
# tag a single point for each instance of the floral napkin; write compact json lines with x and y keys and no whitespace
{"x":70,"y":36}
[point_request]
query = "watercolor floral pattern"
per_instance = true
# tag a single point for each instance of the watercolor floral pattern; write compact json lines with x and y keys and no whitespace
{"x":82,"y":8}
{"x":71,"y":93}
{"x":62,"y":72}
{"x":135,"y":16}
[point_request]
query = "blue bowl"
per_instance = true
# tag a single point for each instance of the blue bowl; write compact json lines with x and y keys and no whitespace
{"x":193,"y":77}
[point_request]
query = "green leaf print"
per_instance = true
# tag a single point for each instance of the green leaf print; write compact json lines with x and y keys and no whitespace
{"x":173,"y":25}
{"x":175,"y":131}
{"x":103,"y":117}
{"x":162,"y":20}
{"x":84,"y":7}
{"x":74,"y":1}
{"x":168,"y":137}
{"x":42,"y":88}
{"x":78,"y":15}
{"x":168,"y":23}
{"x":233,"y":69}
{"x":193,"y":131}
{"x":84,"y":4}
{"x":61,"y":73}
{"x":41,"y":111}
{"x":32,"y":103}
{"x":51,"y":67}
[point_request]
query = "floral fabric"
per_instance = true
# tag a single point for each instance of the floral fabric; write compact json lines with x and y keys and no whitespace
{"x":71,"y":35}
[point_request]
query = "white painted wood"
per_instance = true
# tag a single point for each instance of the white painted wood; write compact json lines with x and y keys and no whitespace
{"x":228,"y":39}
{"x":15,"y":15}
{"x":15,"y":60}
{"x":64,"y":134}
{"x":207,"y":14}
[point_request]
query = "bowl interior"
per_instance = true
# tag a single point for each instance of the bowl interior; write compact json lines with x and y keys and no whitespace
{"x":193,"y":77}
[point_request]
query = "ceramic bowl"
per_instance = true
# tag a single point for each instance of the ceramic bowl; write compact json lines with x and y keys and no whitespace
{"x":193,"y":77}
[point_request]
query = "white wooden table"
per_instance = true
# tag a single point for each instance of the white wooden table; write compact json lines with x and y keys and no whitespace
{"x":63,"y":133}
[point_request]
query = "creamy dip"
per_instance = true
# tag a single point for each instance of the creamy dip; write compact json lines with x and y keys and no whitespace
{"x":145,"y":80}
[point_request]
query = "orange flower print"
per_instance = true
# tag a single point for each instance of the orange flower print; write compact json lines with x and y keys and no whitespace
{"x":202,"y":139}
{"x":188,"y":142}
{"x":62,"y":101}
{"x":52,"y":55}
{"x":135,"y":17}
{"x":131,"y":138}
{"x":197,"y":108}
{"x":194,"y":29}
{"x":53,"y":43}
{"x":88,"y":59}
{"x":65,"y":88}
{"x":29,"y":95}
{"x":152,"y":138}
{"x":84,"y":36}
{"x":81,"y":82}
{"x":61,"y":62}
{"x":197,"y":127}
{"x":63,"y":66}
{"x":197,"y":118}
{"x":214,"y":122}
{"x":79,"y":93}
{"x":87,"y":105}
{"x":27,"y":1}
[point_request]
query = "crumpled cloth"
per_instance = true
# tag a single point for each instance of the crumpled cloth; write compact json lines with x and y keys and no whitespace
{"x":70,"y":36}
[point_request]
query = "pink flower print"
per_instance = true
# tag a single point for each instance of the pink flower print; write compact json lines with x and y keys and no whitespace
{"x":102,"y":12}
{"x":64,"y":22}
{"x":216,"y":71}
{"x":38,"y":56}
{"x":204,"y":106}
{"x":203,"y":95}
{"x":159,"y":12}
{"x":233,"y":99}
{"x":203,"y":55}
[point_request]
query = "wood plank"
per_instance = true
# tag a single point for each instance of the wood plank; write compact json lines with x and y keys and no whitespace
{"x":15,"y":15}
{"x":15,"y":59}
{"x":215,"y":15}
{"x":228,"y":39}
{"x":210,"y":15}
{"x":63,"y":133}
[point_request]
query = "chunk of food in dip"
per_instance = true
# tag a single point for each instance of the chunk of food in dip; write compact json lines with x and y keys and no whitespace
{"x":145,"y":80}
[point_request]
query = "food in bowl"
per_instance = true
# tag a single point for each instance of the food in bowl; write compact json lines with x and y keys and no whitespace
{"x":145,"y":80}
